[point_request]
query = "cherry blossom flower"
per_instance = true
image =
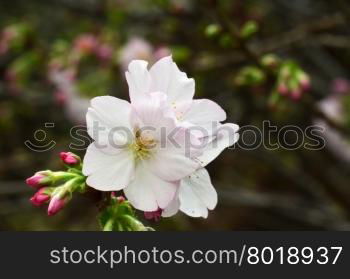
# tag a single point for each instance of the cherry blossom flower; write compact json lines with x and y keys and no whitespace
{"x":74,"y":104}
{"x":334,"y":108}
{"x":135,"y":48}
{"x":154,"y":166}
{"x":138,"y":166}
{"x":138,"y":48}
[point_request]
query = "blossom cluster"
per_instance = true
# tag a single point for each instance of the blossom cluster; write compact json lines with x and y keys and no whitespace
{"x":56,"y":188}
{"x":292,"y":80}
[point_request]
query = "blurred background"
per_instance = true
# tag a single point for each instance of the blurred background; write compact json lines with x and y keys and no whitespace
{"x":283,"y":61}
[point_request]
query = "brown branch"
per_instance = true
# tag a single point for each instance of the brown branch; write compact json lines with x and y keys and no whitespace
{"x":253,"y":50}
{"x":299,"y":33}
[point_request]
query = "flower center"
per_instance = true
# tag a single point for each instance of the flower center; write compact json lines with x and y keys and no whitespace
{"x":143,"y":144}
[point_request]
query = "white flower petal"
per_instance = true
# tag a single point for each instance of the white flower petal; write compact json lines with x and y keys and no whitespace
{"x":172,"y":208}
{"x":167,"y":78}
{"x":197,"y":194}
{"x":190,"y":204}
{"x":171,"y":163}
{"x":204,"y":114}
{"x":148,"y":192}
{"x":153,"y":113}
{"x":225,"y":136}
{"x":139,"y":81}
{"x":201,"y":185}
{"x":181,"y":88}
{"x":108,"y":139}
{"x":164,"y":191}
{"x":108,"y":172}
{"x":113,"y":111}
{"x":108,"y":120}
{"x":161,"y":73}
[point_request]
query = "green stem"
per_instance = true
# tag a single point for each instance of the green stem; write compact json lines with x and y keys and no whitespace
{"x":135,"y":224}
{"x":108,"y":227}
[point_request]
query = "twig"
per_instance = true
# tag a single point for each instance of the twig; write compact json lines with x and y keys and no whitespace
{"x":292,"y":207}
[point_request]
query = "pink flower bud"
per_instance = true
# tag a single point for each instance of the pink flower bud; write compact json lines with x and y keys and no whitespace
{"x":282,"y":89}
{"x":104,"y":52}
{"x":154,"y":215}
{"x":69,"y":158}
{"x":55,"y":205}
{"x":296,"y":95}
{"x":304,"y":81}
{"x":40,"y":197}
{"x":38,"y":180}
{"x":86,"y":43}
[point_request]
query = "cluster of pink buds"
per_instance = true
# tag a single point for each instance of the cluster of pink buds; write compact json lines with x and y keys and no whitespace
{"x":292,"y":81}
{"x":89,"y":44}
{"x":56,"y":188}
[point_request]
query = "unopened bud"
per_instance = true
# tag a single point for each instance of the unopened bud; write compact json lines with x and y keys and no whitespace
{"x":251,"y":76}
{"x":86,"y":43}
{"x":153,"y":215}
{"x":249,"y":29}
{"x":270,"y":60}
{"x":69,"y":158}
{"x":296,"y":94}
{"x":285,"y":72}
{"x":40,"y":179}
{"x":282,"y":89}
{"x":56,"y":204}
{"x":304,"y":81}
{"x":40,"y":197}
{"x":104,"y":52}
{"x":212,"y":30}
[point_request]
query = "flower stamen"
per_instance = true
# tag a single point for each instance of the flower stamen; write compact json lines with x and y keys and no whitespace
{"x":143,"y":144}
